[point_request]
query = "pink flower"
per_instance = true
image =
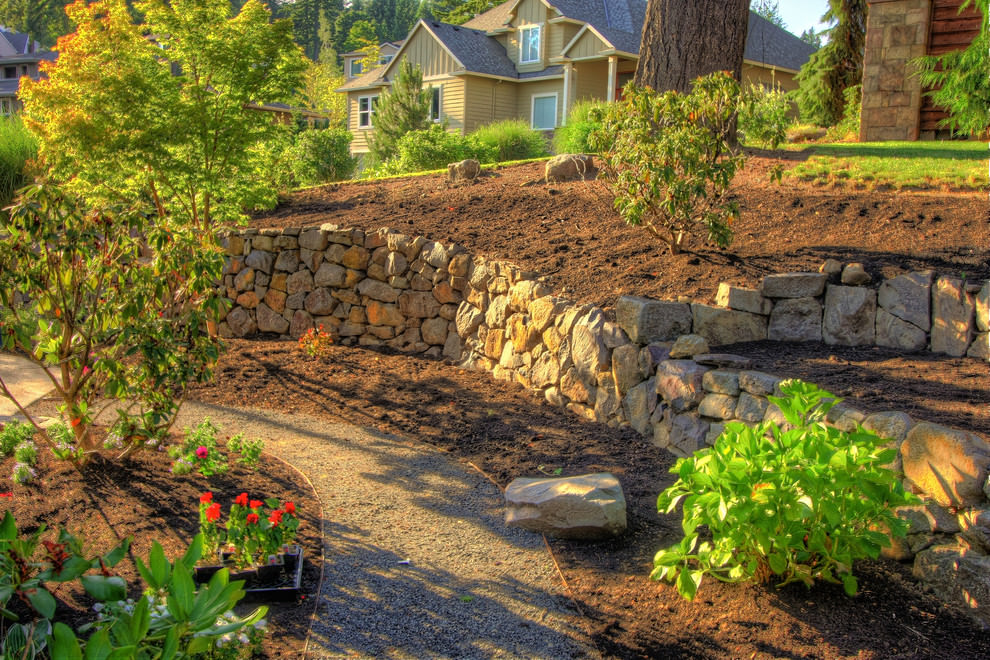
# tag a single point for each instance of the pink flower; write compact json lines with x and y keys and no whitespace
{"x":202,"y":452}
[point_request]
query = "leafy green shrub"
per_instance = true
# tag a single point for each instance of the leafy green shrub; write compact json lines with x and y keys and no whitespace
{"x":249,"y":450}
{"x":764,"y":116}
{"x":12,"y":434}
{"x":848,"y":127}
{"x":17,"y":147}
{"x":430,"y":149}
{"x":507,"y":140}
{"x":321,"y":156}
{"x":668,"y":159}
{"x":199,"y":451}
{"x":573,"y":137}
{"x":795,"y":505}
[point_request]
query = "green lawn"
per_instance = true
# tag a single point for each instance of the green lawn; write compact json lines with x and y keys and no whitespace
{"x":956,"y":165}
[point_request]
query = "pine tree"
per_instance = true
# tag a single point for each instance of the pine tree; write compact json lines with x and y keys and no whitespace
{"x":456,"y":11}
{"x":405,"y":108}
{"x":836,"y":66}
{"x":770,"y":10}
{"x":812,"y":38}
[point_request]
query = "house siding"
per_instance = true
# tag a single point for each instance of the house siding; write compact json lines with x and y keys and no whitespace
{"x":452,"y":101}
{"x":487,"y":101}
{"x":590,"y":81}
{"x":359,"y":144}
{"x":589,"y":45}
{"x":530,"y":12}
{"x":431,"y":57}
{"x":760,"y":75}
{"x":528,"y":90}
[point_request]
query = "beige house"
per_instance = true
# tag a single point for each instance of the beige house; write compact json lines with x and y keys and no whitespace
{"x":19,"y":57}
{"x":353,"y":65}
{"x":533,"y":59}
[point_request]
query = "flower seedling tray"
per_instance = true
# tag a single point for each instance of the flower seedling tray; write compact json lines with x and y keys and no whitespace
{"x":286,"y":587}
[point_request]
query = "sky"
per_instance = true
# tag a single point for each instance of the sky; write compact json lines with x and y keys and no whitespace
{"x":799,"y":15}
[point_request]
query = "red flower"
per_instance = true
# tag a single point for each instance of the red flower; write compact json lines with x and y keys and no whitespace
{"x":213,"y":512}
{"x":255,"y":504}
{"x":289,"y":507}
{"x":241,"y":499}
{"x":206,"y":497}
{"x":275,"y":518}
{"x":252,"y":518}
{"x":202,"y":452}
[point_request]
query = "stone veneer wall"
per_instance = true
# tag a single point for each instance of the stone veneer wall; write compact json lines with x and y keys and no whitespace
{"x":896,"y":33}
{"x":417,"y":295}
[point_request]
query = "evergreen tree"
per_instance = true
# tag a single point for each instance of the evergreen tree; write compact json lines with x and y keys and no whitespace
{"x":770,"y":10}
{"x":343,"y":23}
{"x":961,"y":80}
{"x":44,"y":20}
{"x":393,"y":18}
{"x":361,"y":35}
{"x":456,"y":11}
{"x":306,"y":18}
{"x":812,"y":38}
{"x":405,"y":108}
{"x":835,"y":67}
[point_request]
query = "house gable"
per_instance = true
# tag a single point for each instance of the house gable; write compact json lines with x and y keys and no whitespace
{"x":587,"y":43}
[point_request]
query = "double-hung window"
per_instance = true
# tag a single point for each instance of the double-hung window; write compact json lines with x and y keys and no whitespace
{"x":544,"y":112}
{"x":366,"y":110}
{"x":355,"y":68}
{"x":529,"y":44}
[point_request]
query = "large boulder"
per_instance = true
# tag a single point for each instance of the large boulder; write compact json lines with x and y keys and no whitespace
{"x":466,"y":170}
{"x":741,"y":299}
{"x":850,"y":316}
{"x":590,"y":506}
{"x":953,"y":314}
{"x":796,"y":319}
{"x":893,"y":332}
{"x":570,"y":167}
{"x":793,"y":285}
{"x":680,"y":383}
{"x":948,"y":464}
{"x":726,"y":326}
{"x":909,"y":298}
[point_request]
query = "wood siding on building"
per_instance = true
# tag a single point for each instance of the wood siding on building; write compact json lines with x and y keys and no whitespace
{"x":524,"y":102}
{"x":452,"y":102}
{"x":589,"y":45}
{"x":590,"y":81}
{"x":487,"y":101}
{"x":949,"y":31}
{"x":359,"y":144}
{"x":770,"y":78}
{"x":529,"y":12}
{"x":432,"y":57}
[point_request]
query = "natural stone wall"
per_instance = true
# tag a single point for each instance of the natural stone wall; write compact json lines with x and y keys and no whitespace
{"x":652,"y":368}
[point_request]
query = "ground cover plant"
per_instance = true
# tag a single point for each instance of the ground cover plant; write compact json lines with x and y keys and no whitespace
{"x":783,"y":505}
{"x":938,"y":165}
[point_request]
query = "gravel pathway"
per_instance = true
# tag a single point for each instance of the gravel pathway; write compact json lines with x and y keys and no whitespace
{"x":419,"y":561}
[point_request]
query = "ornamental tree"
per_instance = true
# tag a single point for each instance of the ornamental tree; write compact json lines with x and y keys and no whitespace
{"x":404,"y":109}
{"x":669,"y":161}
{"x":166,"y":109}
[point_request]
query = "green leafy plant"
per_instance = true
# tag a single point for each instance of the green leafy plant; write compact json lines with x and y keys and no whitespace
{"x":764,"y":116}
{"x":321,"y":156}
{"x":254,"y":530}
{"x":26,"y":456}
{"x":848,"y":127}
{"x":13,"y":434}
{"x":249,"y":450}
{"x":199,"y":451}
{"x":782,"y":505}
{"x":114,"y":305}
{"x":507,"y":140}
{"x":430,"y":149}
{"x":574,"y":136}
{"x":669,"y":161}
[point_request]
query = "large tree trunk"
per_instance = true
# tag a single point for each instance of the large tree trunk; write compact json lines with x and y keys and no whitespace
{"x":684,"y":39}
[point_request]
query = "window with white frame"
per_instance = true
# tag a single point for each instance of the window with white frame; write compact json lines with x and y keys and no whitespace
{"x":435,"y":104}
{"x":385,"y":59}
{"x":366,"y":110}
{"x":529,"y":44}
{"x":6,"y":106}
{"x":544,"y":111}
{"x":355,"y":68}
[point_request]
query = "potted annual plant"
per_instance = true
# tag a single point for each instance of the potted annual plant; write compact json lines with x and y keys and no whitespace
{"x":258,"y":539}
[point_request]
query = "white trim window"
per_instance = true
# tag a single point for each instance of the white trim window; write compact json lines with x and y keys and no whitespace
{"x":366,"y":110}
{"x":436,"y":103}
{"x":356,"y":67}
{"x":529,"y":44}
{"x":543,"y":111}
{"x":6,"y":106}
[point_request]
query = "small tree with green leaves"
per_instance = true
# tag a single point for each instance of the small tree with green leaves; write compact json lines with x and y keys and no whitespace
{"x":960,"y":80}
{"x":669,"y":161}
{"x":405,"y":108}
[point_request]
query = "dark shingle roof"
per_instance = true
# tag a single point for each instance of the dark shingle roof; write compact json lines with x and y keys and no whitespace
{"x":474,"y":49}
{"x":18,"y":40}
{"x":767,"y":43}
{"x":621,"y":22}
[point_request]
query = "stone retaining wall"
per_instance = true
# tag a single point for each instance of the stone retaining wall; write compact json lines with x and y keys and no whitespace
{"x":652,"y":367}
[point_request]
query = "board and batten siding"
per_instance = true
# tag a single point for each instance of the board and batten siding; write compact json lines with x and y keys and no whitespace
{"x":488,"y":101}
{"x":528,"y":90}
{"x":590,"y":81}
{"x":589,"y":45}
{"x":529,"y":12}
{"x":452,"y":104}
{"x":432,"y":58}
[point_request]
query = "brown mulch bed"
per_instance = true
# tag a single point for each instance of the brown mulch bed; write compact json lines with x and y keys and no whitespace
{"x":503,"y":430}
{"x":139,"y":497}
